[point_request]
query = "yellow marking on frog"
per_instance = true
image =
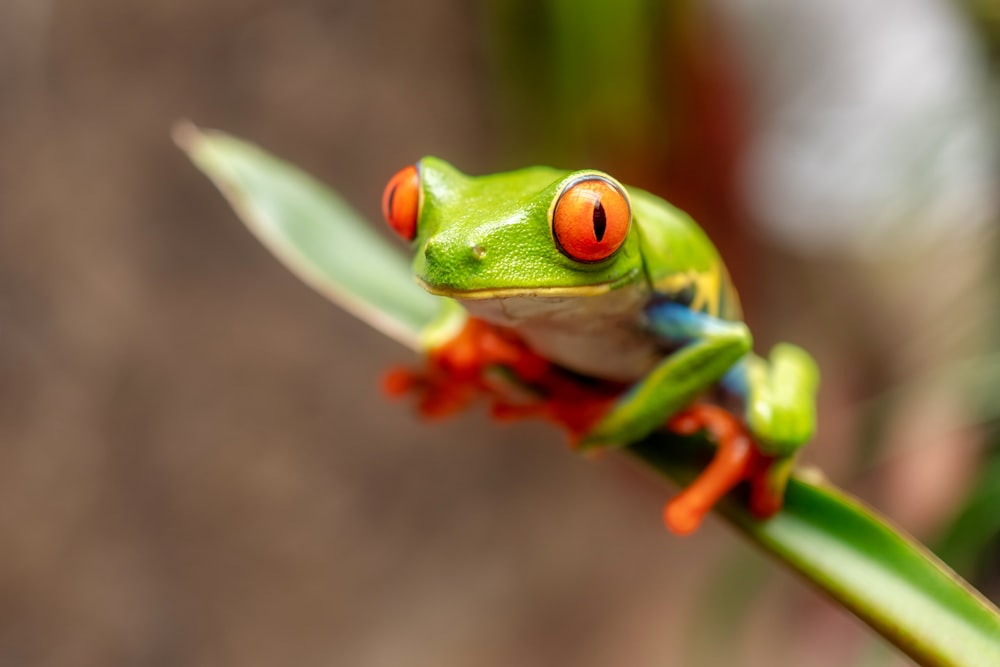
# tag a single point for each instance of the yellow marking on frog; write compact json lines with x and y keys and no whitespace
{"x":707,"y":288}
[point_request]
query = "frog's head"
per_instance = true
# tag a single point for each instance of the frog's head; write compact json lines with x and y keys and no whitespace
{"x":533,"y":232}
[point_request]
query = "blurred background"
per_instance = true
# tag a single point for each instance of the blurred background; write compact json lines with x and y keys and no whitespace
{"x":196,"y":464}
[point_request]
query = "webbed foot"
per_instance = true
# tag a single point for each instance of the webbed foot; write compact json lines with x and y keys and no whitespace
{"x":458,"y":371}
{"x":781,"y":400}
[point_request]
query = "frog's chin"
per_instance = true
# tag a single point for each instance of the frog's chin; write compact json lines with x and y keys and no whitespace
{"x":557,"y":292}
{"x":574,"y":326}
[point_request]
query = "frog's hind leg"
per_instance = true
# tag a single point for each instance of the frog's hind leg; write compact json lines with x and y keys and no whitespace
{"x":736,"y":459}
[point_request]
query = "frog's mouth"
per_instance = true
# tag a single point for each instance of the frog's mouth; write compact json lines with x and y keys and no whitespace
{"x":571,"y":310}
{"x":558,"y":291}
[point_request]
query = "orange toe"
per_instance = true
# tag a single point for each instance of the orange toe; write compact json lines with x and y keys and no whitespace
{"x":682,"y":518}
{"x":398,"y":381}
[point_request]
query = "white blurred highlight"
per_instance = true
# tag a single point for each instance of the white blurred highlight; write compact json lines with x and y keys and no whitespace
{"x":873,"y":130}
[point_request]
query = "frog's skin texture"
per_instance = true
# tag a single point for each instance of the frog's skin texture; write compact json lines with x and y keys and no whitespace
{"x":582,"y":277}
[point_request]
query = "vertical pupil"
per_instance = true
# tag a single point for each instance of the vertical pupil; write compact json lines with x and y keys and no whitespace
{"x":600,"y":221}
{"x":392,"y":200}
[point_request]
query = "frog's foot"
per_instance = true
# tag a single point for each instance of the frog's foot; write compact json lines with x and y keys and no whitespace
{"x":479,"y":345}
{"x":736,"y":459}
{"x":438,"y":395}
{"x":456,"y":372}
{"x":781,"y":400}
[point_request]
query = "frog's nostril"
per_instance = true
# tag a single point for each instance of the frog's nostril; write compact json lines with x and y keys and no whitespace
{"x":444,"y":251}
{"x":430,"y":250}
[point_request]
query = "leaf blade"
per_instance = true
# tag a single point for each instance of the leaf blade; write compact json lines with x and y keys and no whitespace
{"x":316,"y":234}
{"x":857,"y":558}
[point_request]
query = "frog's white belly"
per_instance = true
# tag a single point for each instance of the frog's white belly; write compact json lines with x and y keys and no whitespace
{"x":600,"y":336}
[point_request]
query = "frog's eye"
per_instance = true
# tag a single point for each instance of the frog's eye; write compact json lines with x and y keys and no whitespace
{"x":401,"y":200}
{"x":591,"y":219}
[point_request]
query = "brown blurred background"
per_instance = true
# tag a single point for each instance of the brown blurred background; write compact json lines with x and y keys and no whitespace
{"x":196,"y":465}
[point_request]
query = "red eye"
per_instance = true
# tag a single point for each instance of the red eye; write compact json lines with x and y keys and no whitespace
{"x":591,"y":219}
{"x":400,"y":201}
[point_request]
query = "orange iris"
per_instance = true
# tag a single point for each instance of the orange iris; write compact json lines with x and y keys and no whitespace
{"x":591,"y":219}
{"x":401,"y":200}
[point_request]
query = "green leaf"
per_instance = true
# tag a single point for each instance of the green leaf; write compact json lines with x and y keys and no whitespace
{"x":843,"y":548}
{"x":853,"y":555}
{"x":316,"y":234}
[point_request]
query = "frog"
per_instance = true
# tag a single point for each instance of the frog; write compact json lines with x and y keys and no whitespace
{"x":615,"y":307}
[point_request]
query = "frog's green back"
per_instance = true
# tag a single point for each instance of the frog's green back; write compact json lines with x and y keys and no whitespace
{"x":680,"y":260}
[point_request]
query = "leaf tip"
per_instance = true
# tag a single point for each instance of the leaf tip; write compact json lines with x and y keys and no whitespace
{"x":186,"y":135}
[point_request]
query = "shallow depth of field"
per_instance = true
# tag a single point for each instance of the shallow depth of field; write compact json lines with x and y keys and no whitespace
{"x":197,"y":466}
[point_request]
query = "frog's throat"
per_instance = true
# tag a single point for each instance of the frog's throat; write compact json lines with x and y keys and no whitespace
{"x":507,"y":292}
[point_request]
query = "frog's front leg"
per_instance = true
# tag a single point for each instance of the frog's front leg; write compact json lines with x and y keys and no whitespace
{"x":779,"y":403}
{"x":707,"y":348}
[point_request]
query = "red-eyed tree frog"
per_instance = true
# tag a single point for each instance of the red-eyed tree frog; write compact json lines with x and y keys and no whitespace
{"x":614,"y":307}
